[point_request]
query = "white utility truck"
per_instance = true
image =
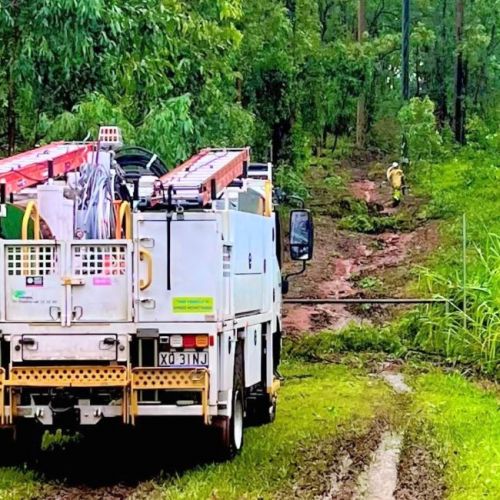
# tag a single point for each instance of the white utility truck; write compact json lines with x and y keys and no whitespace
{"x":139,"y":296}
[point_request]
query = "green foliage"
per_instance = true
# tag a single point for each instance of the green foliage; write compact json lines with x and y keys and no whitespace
{"x":86,"y":118}
{"x":58,"y":440}
{"x":418,"y":122}
{"x":471,"y":335}
{"x":169,"y":130}
{"x":353,"y":338}
{"x":290,"y":181}
{"x":370,"y":283}
{"x":483,"y":136}
{"x":228,"y":125}
{"x":260,"y":73}
{"x":364,"y":222}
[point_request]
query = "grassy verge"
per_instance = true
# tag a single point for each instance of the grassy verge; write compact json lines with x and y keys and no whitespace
{"x":459,"y":421}
{"x":317,"y":404}
{"x":464,"y":185}
{"x":17,"y":484}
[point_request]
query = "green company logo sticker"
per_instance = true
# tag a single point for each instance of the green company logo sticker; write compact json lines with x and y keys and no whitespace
{"x":18,"y":295}
{"x":197,"y":305}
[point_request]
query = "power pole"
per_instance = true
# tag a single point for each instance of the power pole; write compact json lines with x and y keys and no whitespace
{"x":405,"y":73}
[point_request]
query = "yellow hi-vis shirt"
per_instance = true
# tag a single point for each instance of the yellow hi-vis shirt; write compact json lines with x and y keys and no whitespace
{"x":395,"y":177}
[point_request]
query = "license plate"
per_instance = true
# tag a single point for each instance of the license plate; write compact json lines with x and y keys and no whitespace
{"x":183,"y":359}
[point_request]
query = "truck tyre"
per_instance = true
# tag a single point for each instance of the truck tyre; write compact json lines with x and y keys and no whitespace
{"x":262,"y":410}
{"x":230,"y":429}
{"x":7,"y":447}
{"x":28,"y":442}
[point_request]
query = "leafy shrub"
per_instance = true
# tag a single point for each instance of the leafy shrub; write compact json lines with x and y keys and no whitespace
{"x":228,"y":125}
{"x":86,"y":118}
{"x":169,"y":130}
{"x":366,"y":223}
{"x":291,"y":181}
{"x":386,"y":135}
{"x":353,"y":338}
{"x":481,"y":136}
{"x":418,"y":122}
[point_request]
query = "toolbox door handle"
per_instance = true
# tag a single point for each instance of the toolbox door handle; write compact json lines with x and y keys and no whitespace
{"x":27,"y":342}
{"x":77,"y":312}
{"x":55,"y":313}
{"x":146,"y":256}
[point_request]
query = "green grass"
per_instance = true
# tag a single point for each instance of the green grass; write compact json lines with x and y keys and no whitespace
{"x":465,"y":185}
{"x":354,"y":338}
{"x":317,"y":403}
{"x":461,"y":423}
{"x":17,"y":484}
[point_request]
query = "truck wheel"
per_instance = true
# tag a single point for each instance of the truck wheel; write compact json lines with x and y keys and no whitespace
{"x":230,"y":429}
{"x":28,"y":442}
{"x":262,"y":411}
{"x":7,"y":455}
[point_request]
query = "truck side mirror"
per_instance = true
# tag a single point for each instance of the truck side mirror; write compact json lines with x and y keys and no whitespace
{"x":301,"y":235}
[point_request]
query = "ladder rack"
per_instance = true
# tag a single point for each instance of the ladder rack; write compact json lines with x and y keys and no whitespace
{"x":36,"y":166}
{"x":204,"y":176}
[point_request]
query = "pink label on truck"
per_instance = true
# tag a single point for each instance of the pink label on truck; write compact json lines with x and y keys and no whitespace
{"x":101,"y":281}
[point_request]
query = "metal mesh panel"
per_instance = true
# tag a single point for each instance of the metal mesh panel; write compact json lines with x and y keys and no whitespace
{"x":61,"y":376}
{"x":154,"y":378}
{"x":104,"y":260}
{"x":31,"y":260}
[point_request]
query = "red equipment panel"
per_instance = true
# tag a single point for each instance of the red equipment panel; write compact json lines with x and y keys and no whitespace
{"x":205,"y":174}
{"x":32,"y":167}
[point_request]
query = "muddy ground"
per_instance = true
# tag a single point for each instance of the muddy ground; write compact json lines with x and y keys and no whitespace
{"x":385,"y":462}
{"x":353,"y":264}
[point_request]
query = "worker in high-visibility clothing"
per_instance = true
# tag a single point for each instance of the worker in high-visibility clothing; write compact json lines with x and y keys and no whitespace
{"x":396,"y":178}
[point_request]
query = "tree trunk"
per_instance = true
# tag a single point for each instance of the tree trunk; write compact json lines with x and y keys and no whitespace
{"x":460,"y":75}
{"x":11,"y":89}
{"x":442,"y":111}
{"x":361,"y":111}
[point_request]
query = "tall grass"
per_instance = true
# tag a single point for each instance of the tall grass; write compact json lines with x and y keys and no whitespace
{"x":470,"y":333}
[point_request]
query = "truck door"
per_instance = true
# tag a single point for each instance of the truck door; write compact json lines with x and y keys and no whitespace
{"x":248,"y":244}
{"x":31,"y":279}
{"x":100,"y":281}
{"x":186,"y":274}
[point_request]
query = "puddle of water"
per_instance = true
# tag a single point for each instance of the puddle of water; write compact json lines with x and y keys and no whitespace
{"x":379,"y":481}
{"x":396,"y":381}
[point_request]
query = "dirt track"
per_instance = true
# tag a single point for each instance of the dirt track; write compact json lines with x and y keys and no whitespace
{"x":351,"y":264}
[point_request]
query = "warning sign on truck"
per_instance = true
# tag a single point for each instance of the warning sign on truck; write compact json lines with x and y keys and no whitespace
{"x":193,"y":305}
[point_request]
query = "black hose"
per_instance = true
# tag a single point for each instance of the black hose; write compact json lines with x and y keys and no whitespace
{"x":136,"y":162}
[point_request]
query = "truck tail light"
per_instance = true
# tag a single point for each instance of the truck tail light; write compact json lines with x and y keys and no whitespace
{"x":201,"y":340}
{"x":189,"y":341}
{"x":176,"y":341}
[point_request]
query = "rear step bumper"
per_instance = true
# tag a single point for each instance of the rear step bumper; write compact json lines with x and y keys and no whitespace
{"x":129,"y":381}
